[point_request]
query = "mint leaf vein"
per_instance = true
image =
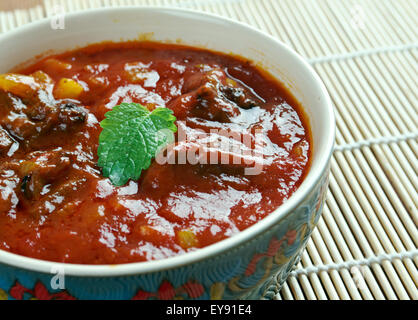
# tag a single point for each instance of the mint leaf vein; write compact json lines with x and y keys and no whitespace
{"x":130,"y":139}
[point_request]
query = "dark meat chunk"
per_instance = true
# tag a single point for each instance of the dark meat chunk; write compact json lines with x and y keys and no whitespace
{"x":41,"y":183}
{"x":5,"y":141}
{"x":8,"y":185}
{"x":42,"y":169}
{"x":52,"y":201}
{"x":211,"y":105}
{"x":47,"y":178}
{"x":69,"y":113}
{"x":28,"y":109}
{"x":213,"y":96}
{"x":39,"y":121}
{"x":239,"y":96}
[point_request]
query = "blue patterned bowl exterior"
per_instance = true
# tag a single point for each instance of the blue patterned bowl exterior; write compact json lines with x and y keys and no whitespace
{"x":244,"y":272}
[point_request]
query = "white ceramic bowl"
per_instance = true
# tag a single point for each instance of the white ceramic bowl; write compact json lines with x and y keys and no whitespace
{"x":219,"y":270}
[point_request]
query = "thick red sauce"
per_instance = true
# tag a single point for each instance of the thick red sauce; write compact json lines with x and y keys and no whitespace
{"x":56,"y":205}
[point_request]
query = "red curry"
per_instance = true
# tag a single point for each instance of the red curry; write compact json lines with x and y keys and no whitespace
{"x":56,"y":205}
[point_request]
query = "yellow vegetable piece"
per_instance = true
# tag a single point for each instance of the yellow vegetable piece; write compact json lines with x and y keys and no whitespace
{"x":57,"y":65}
{"x":187,"y":239}
{"x":20,"y":85}
{"x":27,"y":167}
{"x":231,"y":82}
{"x":42,"y":77}
{"x":68,"y":88}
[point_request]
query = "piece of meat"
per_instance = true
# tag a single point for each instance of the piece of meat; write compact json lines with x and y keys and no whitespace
{"x":5,"y":142}
{"x":52,"y":201}
{"x":214,"y":77}
{"x":8,"y":185}
{"x":40,"y":170}
{"x":22,"y":86}
{"x":212,"y":105}
{"x":238,"y":95}
{"x":69,"y":113}
{"x":29,"y":110}
{"x":213,"y":96}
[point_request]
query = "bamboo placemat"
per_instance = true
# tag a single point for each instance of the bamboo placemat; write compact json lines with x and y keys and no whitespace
{"x":366,"y":52}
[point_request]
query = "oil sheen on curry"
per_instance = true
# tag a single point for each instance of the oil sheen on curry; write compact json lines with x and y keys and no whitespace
{"x":57,"y":205}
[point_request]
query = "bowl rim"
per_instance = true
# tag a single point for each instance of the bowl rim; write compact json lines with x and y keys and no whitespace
{"x":243,"y":237}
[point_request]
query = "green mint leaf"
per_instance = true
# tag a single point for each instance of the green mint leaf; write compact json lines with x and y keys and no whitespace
{"x":131,"y":138}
